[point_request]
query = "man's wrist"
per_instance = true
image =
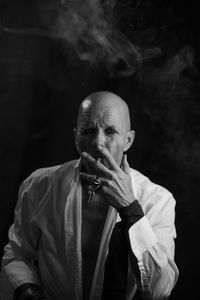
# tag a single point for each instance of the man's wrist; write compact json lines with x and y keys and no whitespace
{"x":131,"y":214}
{"x":29,"y":291}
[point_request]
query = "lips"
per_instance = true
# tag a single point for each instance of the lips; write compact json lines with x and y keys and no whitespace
{"x":99,"y":158}
{"x":96,"y":156}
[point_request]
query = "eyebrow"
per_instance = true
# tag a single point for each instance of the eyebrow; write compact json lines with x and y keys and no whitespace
{"x":112,"y":126}
{"x":90,"y":124}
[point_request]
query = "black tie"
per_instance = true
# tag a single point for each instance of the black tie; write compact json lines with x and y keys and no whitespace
{"x":116,"y":267}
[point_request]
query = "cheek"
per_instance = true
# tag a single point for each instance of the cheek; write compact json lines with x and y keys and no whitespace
{"x":117,"y":149}
{"x":82,"y":144}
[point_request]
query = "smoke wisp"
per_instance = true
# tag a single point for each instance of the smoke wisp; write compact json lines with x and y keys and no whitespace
{"x":90,"y":28}
{"x":173,"y":106}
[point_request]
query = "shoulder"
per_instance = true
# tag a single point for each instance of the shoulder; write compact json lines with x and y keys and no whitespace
{"x":48,"y":175}
{"x":151,"y":195}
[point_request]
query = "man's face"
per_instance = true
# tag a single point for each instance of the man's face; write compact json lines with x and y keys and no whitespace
{"x":102,"y":124}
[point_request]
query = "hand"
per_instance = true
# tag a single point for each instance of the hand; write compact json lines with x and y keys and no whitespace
{"x":116,"y":185}
{"x":29,"y":291}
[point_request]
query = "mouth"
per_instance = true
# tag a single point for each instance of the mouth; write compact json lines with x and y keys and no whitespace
{"x":99,"y":158}
{"x":96,"y":156}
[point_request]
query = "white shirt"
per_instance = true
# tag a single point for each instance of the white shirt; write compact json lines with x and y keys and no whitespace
{"x":47,"y":229}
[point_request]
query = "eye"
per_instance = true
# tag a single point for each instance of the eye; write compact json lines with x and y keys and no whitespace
{"x":89,"y":130}
{"x":110,"y":130}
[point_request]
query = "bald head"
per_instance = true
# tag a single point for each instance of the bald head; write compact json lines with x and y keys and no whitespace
{"x":103,"y":100}
{"x":104,"y":122}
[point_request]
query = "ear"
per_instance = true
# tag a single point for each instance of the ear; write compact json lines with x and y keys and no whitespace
{"x":129,"y":140}
{"x":75,"y":139}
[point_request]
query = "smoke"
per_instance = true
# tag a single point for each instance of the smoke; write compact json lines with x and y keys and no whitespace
{"x":136,"y":37}
{"x":91,"y":29}
{"x":168,"y":79}
{"x":126,"y":37}
{"x":171,"y":94}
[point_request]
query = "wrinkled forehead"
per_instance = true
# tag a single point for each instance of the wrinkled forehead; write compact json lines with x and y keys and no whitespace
{"x":111,"y":112}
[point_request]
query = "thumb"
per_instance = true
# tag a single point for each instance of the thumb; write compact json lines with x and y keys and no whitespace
{"x":125,"y":165}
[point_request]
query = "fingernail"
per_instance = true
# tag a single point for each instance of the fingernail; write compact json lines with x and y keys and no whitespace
{"x":84,"y":154}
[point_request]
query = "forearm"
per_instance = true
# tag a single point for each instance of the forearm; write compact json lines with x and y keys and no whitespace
{"x":24,"y":280}
{"x":156,"y":274}
{"x":159,"y":273}
{"x":155,"y":271}
{"x":20,"y":254}
{"x":19,"y":269}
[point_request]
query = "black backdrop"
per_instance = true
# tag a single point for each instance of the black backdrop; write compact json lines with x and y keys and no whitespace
{"x":42,"y":83}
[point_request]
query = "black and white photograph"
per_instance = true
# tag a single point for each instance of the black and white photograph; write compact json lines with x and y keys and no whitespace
{"x":99,"y":149}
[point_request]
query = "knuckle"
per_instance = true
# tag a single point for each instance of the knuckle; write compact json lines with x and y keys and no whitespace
{"x":98,"y":163}
{"x":103,"y":188}
{"x":112,"y":176}
{"x":121,"y":176}
{"x":109,"y":183}
{"x":106,"y":190}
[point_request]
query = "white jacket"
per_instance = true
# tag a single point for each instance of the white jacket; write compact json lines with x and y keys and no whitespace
{"x":47,"y":229}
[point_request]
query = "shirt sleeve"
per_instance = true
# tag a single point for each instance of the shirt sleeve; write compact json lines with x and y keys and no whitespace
{"x":152,"y":245}
{"x":19,"y":262}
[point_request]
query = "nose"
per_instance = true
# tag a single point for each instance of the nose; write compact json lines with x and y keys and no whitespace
{"x":99,"y":139}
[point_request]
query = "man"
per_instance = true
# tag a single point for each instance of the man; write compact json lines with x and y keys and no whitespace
{"x":93,"y":228}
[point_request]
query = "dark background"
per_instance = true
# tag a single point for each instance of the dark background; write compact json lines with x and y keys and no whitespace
{"x":151,"y":59}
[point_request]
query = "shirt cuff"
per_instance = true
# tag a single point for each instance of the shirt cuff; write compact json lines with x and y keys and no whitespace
{"x":29,"y":291}
{"x":131,"y":214}
{"x":141,"y":237}
{"x":18,"y":272}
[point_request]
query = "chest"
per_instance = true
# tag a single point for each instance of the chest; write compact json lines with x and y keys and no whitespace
{"x":93,"y":219}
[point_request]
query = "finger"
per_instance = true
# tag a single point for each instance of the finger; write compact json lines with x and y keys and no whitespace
{"x":96,"y":165}
{"x":109,"y":158}
{"x":124,"y":165}
{"x":88,"y":177}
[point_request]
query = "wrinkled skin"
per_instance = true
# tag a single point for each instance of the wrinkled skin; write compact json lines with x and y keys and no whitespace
{"x":102,"y":136}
